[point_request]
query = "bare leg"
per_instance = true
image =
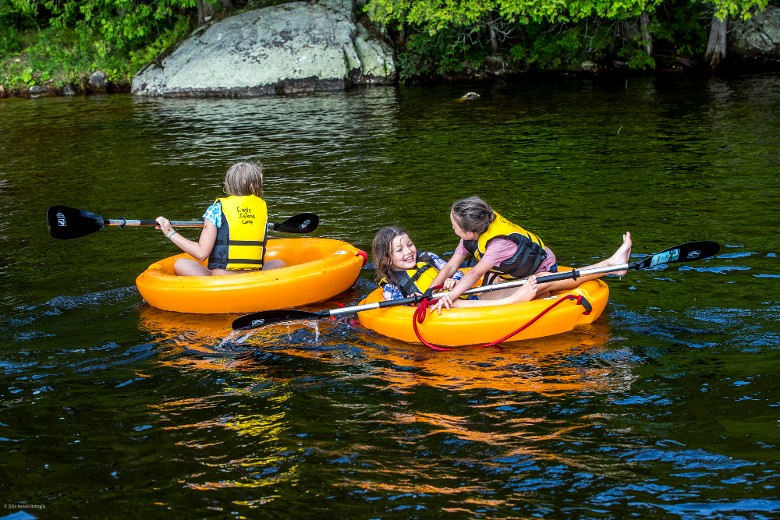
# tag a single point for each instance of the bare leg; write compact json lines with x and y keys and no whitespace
{"x":273,"y":264}
{"x":619,"y":257}
{"x":188,"y":267}
{"x":524,"y":293}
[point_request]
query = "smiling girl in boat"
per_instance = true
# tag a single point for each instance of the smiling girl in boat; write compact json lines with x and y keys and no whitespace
{"x":401,"y":270}
{"x":234,"y":231}
{"x":506,"y":251}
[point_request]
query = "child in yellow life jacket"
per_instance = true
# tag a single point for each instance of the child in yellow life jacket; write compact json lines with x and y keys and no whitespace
{"x":401,"y":270}
{"x":234,"y":229}
{"x":507,"y":251}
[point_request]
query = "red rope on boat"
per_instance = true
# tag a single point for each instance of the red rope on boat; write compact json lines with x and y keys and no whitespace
{"x":422,"y":310}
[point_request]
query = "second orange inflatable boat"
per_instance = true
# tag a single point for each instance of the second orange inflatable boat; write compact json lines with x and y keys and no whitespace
{"x":316,"y":269}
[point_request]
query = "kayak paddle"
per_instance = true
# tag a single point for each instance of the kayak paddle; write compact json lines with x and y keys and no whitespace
{"x":65,"y":222}
{"x":687,"y":252}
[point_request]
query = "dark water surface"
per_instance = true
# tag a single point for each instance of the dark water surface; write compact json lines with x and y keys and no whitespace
{"x":667,"y":407}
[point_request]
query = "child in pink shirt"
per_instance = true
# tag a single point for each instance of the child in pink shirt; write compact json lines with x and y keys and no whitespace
{"x":471,"y":218}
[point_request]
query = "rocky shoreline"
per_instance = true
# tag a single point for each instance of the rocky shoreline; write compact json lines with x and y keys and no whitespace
{"x":302,"y":47}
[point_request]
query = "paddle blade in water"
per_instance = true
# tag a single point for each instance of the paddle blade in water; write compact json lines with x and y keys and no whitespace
{"x":254,"y":320}
{"x":65,"y":222}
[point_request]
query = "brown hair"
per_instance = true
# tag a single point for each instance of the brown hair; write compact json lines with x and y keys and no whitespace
{"x":473,"y":214}
{"x":244,"y":178}
{"x":381,"y":250}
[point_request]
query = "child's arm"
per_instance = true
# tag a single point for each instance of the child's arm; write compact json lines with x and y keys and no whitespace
{"x":199,"y":250}
{"x":464,"y":284}
{"x":470,"y":278}
{"x":449,"y":269}
{"x":439,"y":264}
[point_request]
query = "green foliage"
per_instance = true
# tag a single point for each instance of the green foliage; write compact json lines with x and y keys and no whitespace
{"x":434,"y":15}
{"x":167,"y":38}
{"x":122,"y":24}
{"x":58,"y":54}
{"x":61,"y":41}
{"x":636,"y":58}
{"x":556,"y":34}
{"x":678,"y":29}
{"x":62,"y":55}
{"x":447,"y":52}
{"x":565,"y":48}
{"x":10,"y":42}
{"x":736,"y":8}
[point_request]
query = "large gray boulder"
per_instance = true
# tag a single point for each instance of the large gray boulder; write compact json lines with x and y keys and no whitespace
{"x":288,"y":48}
{"x":756,"y":39}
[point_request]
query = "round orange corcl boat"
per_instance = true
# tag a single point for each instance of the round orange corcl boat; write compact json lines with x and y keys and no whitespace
{"x":316,"y":269}
{"x":480,"y":325}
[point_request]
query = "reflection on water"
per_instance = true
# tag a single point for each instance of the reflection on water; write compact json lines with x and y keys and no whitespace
{"x":412,"y":410}
{"x":547,"y":366}
{"x":292,"y":133}
{"x":665,"y":407}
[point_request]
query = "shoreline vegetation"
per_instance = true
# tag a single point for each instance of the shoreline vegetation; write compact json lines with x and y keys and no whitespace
{"x":85,"y":47}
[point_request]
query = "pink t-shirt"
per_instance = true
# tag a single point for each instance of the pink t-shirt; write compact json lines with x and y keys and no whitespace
{"x":501,"y":249}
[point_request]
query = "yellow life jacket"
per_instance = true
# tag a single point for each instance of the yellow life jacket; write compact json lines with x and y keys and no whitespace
{"x":242,"y":236}
{"x":530,"y":249}
{"x":416,"y":280}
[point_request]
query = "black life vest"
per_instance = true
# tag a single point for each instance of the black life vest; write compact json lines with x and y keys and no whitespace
{"x":530,"y":249}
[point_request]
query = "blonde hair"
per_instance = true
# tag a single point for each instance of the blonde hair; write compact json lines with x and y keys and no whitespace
{"x":244,"y":178}
{"x":473,"y":214}
{"x":381,"y":250}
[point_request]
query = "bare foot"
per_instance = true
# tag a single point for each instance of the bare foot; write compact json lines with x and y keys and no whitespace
{"x":526,"y":292}
{"x":622,"y":255}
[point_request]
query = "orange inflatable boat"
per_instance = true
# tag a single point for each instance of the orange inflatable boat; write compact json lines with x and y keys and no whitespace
{"x":479,"y":325}
{"x":316,"y":269}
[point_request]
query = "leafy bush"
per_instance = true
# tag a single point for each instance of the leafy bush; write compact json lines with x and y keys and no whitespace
{"x":445,"y":53}
{"x":55,"y":42}
{"x":60,"y":54}
{"x":545,"y":50}
{"x":678,"y":29}
{"x":139,"y":58}
{"x":10,"y":42}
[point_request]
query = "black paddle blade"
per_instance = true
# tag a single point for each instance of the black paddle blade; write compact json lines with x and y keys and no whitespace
{"x":65,"y":222}
{"x":688,"y":252}
{"x":302,"y":223}
{"x":254,"y":320}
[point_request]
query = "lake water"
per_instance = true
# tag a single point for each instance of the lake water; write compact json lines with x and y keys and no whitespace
{"x":667,"y":407}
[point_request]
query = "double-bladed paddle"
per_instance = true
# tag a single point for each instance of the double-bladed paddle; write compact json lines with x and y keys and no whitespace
{"x":687,"y":252}
{"x":65,"y":222}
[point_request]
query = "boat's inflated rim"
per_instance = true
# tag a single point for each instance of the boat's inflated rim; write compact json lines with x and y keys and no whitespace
{"x":316,"y":269}
{"x":482,"y":325}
